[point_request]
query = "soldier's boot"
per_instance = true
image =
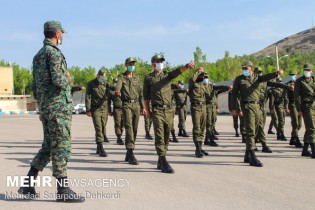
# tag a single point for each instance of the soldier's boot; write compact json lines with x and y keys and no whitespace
{"x":305,"y":151}
{"x":243,"y":138}
{"x":212,"y":143}
{"x":158,"y":165}
{"x":148,"y":135}
{"x":292,"y":141}
{"x":282,"y":136}
{"x":165,"y":166}
{"x":203,"y":151}
{"x":131,"y":158}
{"x":180,"y":132}
{"x":207,"y":141}
{"x":214,"y":136}
{"x":174,"y":136}
{"x":313,"y":150}
{"x":119,"y":140}
{"x":236,"y":133}
{"x":106,"y":139}
{"x":29,"y":191}
{"x":256,"y":149}
{"x":65,"y":194}
{"x":253,"y":161}
{"x":246,"y":157}
{"x":266,"y":149}
{"x":278,"y":135}
{"x":185,"y":133}
{"x":101,"y":151}
{"x":215,"y":132}
{"x":198,"y":151}
{"x":97,"y":149}
{"x":298,"y":143}
{"x":270,"y":131}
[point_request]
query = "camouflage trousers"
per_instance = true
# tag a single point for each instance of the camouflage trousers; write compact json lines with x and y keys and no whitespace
{"x":147,"y":123}
{"x":118,"y":119}
{"x":260,"y":135}
{"x":56,"y":144}
{"x":198,"y":116}
{"x":210,"y":120}
{"x":100,"y":117}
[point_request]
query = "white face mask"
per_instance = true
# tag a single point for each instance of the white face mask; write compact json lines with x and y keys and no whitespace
{"x":159,"y":66}
{"x":307,"y":73}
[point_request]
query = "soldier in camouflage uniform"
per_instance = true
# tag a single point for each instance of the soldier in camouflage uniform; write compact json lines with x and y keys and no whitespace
{"x":280,"y":102}
{"x":97,"y":103}
{"x":296,"y":121}
{"x":181,"y":107}
{"x":157,"y":90}
{"x":246,"y":88}
{"x":116,"y":112}
{"x":51,"y":88}
{"x":304,"y":92}
{"x":128,"y":88}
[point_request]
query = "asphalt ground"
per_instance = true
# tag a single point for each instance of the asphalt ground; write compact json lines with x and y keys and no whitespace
{"x":218,"y":181}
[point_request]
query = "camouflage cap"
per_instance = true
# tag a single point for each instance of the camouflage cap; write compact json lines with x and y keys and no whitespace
{"x":247,"y":63}
{"x":102,"y":73}
{"x":157,"y":57}
{"x":257,"y":70}
{"x":308,"y":66}
{"x":53,"y":25}
{"x":293,"y":72}
{"x":131,"y":59}
{"x":180,"y":82}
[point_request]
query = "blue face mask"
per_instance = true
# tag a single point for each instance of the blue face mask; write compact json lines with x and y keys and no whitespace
{"x":292,"y":77}
{"x":100,"y":80}
{"x":246,"y":73}
{"x":131,"y":68}
{"x":183,"y":86}
{"x":115,"y":84}
{"x":205,"y":81}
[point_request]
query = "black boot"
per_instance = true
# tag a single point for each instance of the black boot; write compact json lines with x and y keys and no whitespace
{"x":266,"y":149}
{"x":292,"y":141}
{"x":158,"y":165}
{"x":185,"y":133}
{"x":278,"y":135}
{"x":119,"y":140}
{"x":106,"y":139}
{"x":253,"y":161}
{"x":212,"y":143}
{"x":243,"y":138}
{"x":165,"y":166}
{"x":282,"y":136}
{"x":246,"y":157}
{"x":180,"y":132}
{"x":313,"y":150}
{"x":305,"y":151}
{"x":214,"y":136}
{"x":29,"y":191}
{"x":100,"y":149}
{"x":65,"y":194}
{"x":203,"y":151}
{"x":236,"y":133}
{"x":207,"y":142}
{"x":174,"y":136}
{"x":198,"y":151}
{"x":148,"y":135}
{"x":298,"y":144}
{"x":256,"y":149}
{"x":131,"y":158}
{"x":215,"y":132}
{"x":270,"y":131}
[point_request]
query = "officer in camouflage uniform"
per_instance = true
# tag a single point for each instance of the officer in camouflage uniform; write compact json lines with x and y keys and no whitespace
{"x":211,"y":110}
{"x":52,"y":90}
{"x":157,"y":90}
{"x":116,"y":112}
{"x":280,"y":102}
{"x":304,"y":92}
{"x":246,"y":87}
{"x":197,"y":95}
{"x":296,"y":121}
{"x":181,"y":107}
{"x":97,"y":103}
{"x":128,"y":88}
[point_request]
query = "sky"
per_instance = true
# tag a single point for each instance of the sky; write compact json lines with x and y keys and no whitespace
{"x":105,"y":33}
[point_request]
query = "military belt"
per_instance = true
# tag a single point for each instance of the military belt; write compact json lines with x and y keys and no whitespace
{"x":165,"y":106}
{"x":198,"y":103}
{"x":131,"y":101}
{"x":251,"y":102}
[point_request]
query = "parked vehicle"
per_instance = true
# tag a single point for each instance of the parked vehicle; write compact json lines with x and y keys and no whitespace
{"x":78,"y":108}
